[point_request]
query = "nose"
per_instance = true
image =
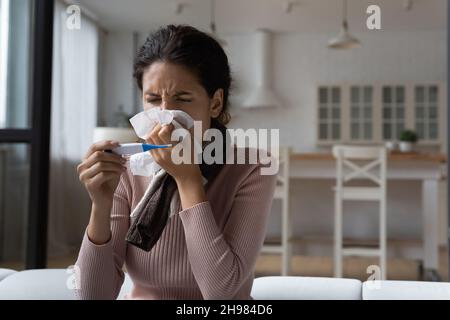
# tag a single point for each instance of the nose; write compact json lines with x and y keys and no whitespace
{"x":167,"y":104}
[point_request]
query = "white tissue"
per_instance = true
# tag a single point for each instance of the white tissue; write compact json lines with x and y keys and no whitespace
{"x":145,"y":121}
{"x":142,"y":164}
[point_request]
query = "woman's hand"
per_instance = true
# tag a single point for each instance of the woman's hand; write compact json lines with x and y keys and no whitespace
{"x":100,"y":173}
{"x":180,"y":172}
{"x":187,"y":175}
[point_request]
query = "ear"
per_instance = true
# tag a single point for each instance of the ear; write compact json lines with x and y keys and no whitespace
{"x":216,"y":105}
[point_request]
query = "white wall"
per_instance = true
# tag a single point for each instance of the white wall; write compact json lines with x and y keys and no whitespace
{"x":301,"y":62}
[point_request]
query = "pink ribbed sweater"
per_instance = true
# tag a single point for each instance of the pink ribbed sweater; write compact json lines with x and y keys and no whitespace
{"x":207,"y":251}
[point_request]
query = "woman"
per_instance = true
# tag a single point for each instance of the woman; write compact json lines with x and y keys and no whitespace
{"x":209,"y":249}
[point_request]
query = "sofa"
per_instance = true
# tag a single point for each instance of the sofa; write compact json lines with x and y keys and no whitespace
{"x":54,"y":284}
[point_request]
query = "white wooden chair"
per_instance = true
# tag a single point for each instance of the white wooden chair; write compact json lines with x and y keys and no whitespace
{"x":352,"y":163}
{"x":282,"y":194}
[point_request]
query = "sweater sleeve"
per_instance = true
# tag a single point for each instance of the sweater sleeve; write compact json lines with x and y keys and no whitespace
{"x":222,"y":261}
{"x":99,"y":274}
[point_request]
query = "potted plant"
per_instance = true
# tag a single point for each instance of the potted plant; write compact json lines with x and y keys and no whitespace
{"x":407,"y":140}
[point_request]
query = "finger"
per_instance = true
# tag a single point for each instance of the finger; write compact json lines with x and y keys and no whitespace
{"x":165,"y":133}
{"x":101,"y":146}
{"x":155,"y":130}
{"x":102,"y":177}
{"x":101,"y":167}
{"x":157,"y":140}
{"x":150,"y":138}
{"x":104,"y":156}
{"x":92,"y":172}
{"x":157,"y":153}
{"x":154,"y":137}
{"x":98,"y":156}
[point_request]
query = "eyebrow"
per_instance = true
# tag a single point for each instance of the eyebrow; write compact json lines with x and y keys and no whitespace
{"x":178,"y":93}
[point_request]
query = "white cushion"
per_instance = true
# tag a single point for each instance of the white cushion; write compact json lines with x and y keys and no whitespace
{"x":305,"y":288}
{"x":44,"y":284}
{"x":5,"y":273}
{"x":405,"y":290}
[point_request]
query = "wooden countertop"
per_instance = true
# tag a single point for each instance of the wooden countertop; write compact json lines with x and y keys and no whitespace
{"x":393,"y":156}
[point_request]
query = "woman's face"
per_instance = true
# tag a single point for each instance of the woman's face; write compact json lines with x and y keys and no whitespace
{"x":174,"y":87}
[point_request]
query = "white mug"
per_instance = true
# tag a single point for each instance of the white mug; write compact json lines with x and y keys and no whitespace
{"x":122,"y":135}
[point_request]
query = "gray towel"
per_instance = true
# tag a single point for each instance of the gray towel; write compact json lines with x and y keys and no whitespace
{"x":160,"y":201}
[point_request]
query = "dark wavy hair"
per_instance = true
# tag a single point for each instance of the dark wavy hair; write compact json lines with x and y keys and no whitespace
{"x":193,"y":49}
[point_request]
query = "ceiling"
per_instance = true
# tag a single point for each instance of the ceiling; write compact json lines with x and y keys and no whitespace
{"x":241,"y":16}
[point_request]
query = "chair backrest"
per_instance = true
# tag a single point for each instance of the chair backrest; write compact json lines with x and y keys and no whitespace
{"x":282,"y":186}
{"x":355,"y":162}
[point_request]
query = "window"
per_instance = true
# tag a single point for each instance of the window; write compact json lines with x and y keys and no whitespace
{"x":25,"y":89}
{"x":393,"y":112}
{"x":329,"y":113}
{"x":374,"y":113}
{"x":361,"y":112}
{"x":426,"y":108}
